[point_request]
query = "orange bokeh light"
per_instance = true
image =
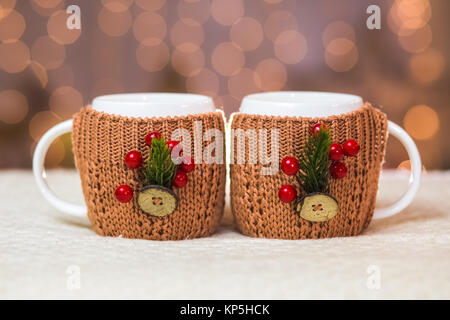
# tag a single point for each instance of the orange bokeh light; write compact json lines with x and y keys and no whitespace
{"x":149,"y":28}
{"x":278,"y":22}
{"x":41,"y":122}
{"x":197,"y":11}
{"x":183,"y":33}
{"x":58,"y":31}
{"x":428,"y":66}
{"x":150,"y":5}
{"x":272,"y":75}
{"x":227,"y":12}
{"x":117,"y":5}
{"x":247,"y":33}
{"x":40,"y":72}
{"x":12,"y":26}
{"x":227,"y":59}
{"x":65,"y":101}
{"x":13,"y":106}
{"x":417,"y":41}
{"x":14,"y":56}
{"x":290,"y":47}
{"x":337,"y":29}
{"x":48,"y":53}
{"x":421,"y":122}
{"x":188,"y":59}
{"x":6,"y":7}
{"x":245,"y":82}
{"x":341,"y":55}
{"x":114,"y":24}
{"x":47,"y":7}
{"x":205,"y":82}
{"x":152,"y":58}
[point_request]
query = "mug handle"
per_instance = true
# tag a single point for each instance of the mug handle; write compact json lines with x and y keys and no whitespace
{"x":414,"y":178}
{"x":40,"y":176}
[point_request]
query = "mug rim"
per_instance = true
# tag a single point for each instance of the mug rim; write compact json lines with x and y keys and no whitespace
{"x":300,"y":103}
{"x":153,"y":104}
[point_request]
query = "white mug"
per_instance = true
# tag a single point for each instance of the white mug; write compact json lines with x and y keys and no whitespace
{"x":324,"y":104}
{"x":136,"y":105}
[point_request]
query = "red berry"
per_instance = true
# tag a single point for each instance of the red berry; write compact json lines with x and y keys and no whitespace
{"x":287,"y":193}
{"x":289,"y":165}
{"x":149,"y":137}
{"x":133,"y":159}
{"x":172,"y":144}
{"x":180,"y":180}
{"x":336,"y":152}
{"x":338,"y":170}
{"x":351,"y":148}
{"x":124,"y":193}
{"x":188,"y":164}
{"x":316,"y":128}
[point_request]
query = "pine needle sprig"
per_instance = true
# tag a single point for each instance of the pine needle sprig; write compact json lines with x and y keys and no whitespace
{"x":160,"y":168}
{"x":314,"y":173}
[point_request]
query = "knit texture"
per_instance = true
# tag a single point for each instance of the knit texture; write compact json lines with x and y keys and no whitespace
{"x":100,"y":142}
{"x":254,"y":197}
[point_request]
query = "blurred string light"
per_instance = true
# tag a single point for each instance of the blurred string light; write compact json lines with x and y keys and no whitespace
{"x":14,"y":56}
{"x":341,"y":54}
{"x":12,"y":26}
{"x":152,"y":58}
{"x":278,"y":22}
{"x":421,"y":122}
{"x":188,"y":59}
{"x":48,"y":53}
{"x":65,"y":101}
{"x":427,"y":67}
{"x":13,"y":106}
{"x":227,"y":12}
{"x":41,"y":122}
{"x":205,"y":82}
{"x":245,"y":82}
{"x":39,"y":72}
{"x":271,"y":75}
{"x":47,"y":7}
{"x":227,"y":59}
{"x":193,"y":11}
{"x":6,"y":7}
{"x":114,"y":23}
{"x":408,"y":19}
{"x":58,"y":31}
{"x":182,"y":33}
{"x":338,"y":38}
{"x":149,"y":28}
{"x":247,"y":33}
{"x":117,"y":5}
{"x":406,"y":16}
{"x":290,"y":47}
{"x":150,"y":5}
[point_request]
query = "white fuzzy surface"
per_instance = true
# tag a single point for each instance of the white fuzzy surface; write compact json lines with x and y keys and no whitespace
{"x":38,"y":245}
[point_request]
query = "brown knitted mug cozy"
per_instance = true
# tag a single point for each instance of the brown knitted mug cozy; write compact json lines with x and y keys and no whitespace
{"x":254,"y":197}
{"x":100,"y":142}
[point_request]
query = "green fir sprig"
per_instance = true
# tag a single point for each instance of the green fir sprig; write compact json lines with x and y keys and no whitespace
{"x":313,"y":162}
{"x":160,"y":168}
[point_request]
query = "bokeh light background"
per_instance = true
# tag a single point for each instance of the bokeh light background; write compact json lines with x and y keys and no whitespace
{"x":225,"y":49}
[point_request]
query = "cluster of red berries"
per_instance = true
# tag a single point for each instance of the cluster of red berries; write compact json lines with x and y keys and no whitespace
{"x":133,"y":160}
{"x":338,"y":170}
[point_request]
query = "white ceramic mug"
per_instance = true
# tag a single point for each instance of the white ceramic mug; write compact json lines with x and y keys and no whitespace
{"x":324,"y":104}
{"x":136,"y":105}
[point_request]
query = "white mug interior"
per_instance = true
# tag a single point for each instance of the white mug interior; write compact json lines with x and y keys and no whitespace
{"x":300,"y":103}
{"x":147,"y":105}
